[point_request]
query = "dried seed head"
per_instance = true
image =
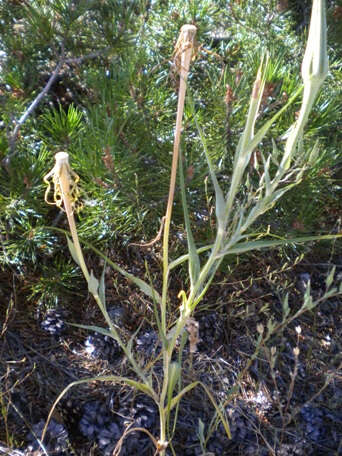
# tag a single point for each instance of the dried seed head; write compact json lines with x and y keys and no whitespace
{"x":64,"y":181}
{"x":273,"y":350}
{"x":296,"y":351}
{"x":184,"y":42}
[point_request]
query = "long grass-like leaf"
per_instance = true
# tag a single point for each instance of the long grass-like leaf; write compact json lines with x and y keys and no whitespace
{"x":179,"y":396}
{"x":218,"y":411}
{"x":174,"y":375}
{"x":144,"y":287}
{"x":251,"y":145}
{"x":182,"y":258}
{"x":192,"y":385}
{"x":254,"y":105}
{"x":156,"y":309}
{"x":93,"y":285}
{"x":256,"y":245}
{"x":194,"y":262}
{"x":219,"y":197}
{"x":243,"y":150}
{"x":98,"y":329}
{"x":261,"y":133}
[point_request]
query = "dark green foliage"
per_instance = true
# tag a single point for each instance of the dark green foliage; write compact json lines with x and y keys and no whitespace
{"x":62,"y":127}
{"x":112,"y":108}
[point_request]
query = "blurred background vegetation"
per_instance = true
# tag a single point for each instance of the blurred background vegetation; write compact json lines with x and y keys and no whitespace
{"x":112,"y":106}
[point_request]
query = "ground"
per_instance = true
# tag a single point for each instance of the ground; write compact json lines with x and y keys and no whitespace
{"x":283,"y":400}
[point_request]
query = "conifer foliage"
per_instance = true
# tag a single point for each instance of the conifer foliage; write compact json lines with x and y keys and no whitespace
{"x":95,"y":78}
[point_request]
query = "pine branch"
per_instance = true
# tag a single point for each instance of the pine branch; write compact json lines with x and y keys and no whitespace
{"x":91,"y":55}
{"x":14,"y":136}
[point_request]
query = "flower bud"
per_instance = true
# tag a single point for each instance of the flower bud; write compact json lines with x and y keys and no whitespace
{"x":315,"y":62}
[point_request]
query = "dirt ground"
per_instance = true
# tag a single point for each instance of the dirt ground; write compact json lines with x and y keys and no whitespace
{"x":284,"y":400}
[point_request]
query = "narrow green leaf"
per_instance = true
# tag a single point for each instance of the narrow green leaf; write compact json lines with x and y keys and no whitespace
{"x":310,"y":303}
{"x":207,"y":284}
{"x":275,"y":153}
{"x":256,"y":245}
{"x":175,"y":371}
{"x":72,"y":250}
{"x":183,"y":258}
{"x":266,"y":164}
{"x":254,"y":105}
{"x":244,"y":150}
{"x":219,"y":197}
{"x":144,"y":287}
{"x":331,"y":292}
{"x":270,"y":327}
{"x":258,"y":137}
{"x":132,"y":338}
{"x":156,"y":310}
{"x":146,"y":389}
{"x":314,"y":154}
{"x":218,"y":410}
{"x":179,"y":396}
{"x":98,"y":329}
{"x":194,"y":262}
{"x":201,"y":432}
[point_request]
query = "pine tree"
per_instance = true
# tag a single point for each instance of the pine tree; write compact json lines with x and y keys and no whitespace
{"x":101,"y":75}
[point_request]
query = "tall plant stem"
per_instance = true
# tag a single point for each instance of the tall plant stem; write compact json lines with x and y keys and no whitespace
{"x":182,"y":58}
{"x":182,"y":55}
{"x":62,"y":176}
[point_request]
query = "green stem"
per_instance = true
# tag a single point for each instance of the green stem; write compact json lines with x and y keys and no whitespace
{"x":184,"y":51}
{"x":63,"y":170}
{"x":162,"y":409}
{"x":74,"y":235}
